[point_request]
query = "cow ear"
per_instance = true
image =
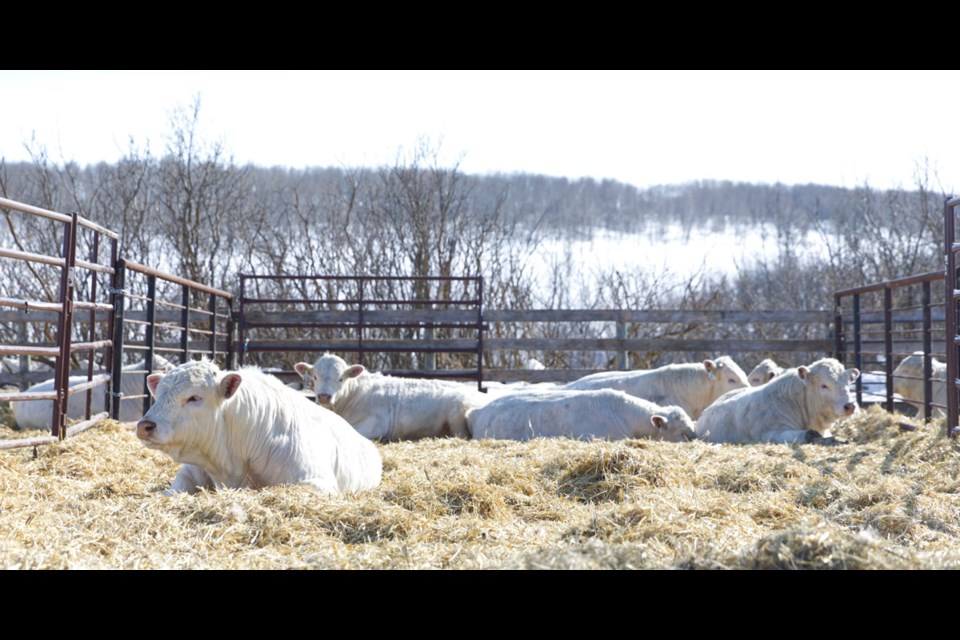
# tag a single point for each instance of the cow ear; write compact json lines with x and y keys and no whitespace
{"x":303,"y":369}
{"x":152,"y":381}
{"x":659,"y":422}
{"x":853,"y":373}
{"x":229,"y":385}
{"x":771,"y":376}
{"x":711,"y":368}
{"x":803,"y":372}
{"x":354,"y":371}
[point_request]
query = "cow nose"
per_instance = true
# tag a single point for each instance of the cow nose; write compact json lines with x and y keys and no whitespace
{"x":850,"y":408}
{"x":145,"y":428}
{"x":323,"y":398}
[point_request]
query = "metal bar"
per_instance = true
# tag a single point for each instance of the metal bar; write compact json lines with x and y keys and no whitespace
{"x":213,"y":327}
{"x":90,"y":346}
{"x":36,"y":211}
{"x":91,"y":328}
{"x":927,"y":358}
{"x":62,"y":375}
{"x":361,"y":278}
{"x":480,"y":326}
{"x":184,"y":324}
{"x":857,"y":346}
{"x":933,"y":276}
{"x":117,"y":296}
{"x":838,"y":337}
{"x":950,"y":269}
{"x":241,"y":324}
{"x":139,"y":268}
{"x":27,"y":256}
{"x":360,"y":323}
{"x":231,"y":353}
{"x":150,"y":337}
{"x":888,"y":343}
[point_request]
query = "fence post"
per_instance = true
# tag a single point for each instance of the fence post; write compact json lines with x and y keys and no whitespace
{"x":888,"y":343}
{"x":185,"y":324}
{"x":150,"y":337}
{"x":430,"y":359}
{"x":622,"y":355}
{"x":213,"y":327}
{"x":231,"y":329}
{"x":857,"y":346}
{"x":22,"y":338}
{"x":116,"y":372}
{"x":838,"y":342}
{"x":64,"y":328}
{"x":950,"y":278}
{"x":927,"y":357}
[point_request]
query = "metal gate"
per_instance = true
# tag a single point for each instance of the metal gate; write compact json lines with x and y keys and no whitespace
{"x":414,"y":318}
{"x":951,"y":248}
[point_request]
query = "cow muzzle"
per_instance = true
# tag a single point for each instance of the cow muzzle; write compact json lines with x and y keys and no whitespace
{"x":146,"y":429}
{"x":323,"y":399}
{"x":850,"y":408}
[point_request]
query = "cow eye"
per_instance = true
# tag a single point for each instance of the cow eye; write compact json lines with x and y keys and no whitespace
{"x":824,"y":387}
{"x":194,"y":399}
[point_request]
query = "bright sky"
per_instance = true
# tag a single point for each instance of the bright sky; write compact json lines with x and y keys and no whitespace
{"x":640,"y":127}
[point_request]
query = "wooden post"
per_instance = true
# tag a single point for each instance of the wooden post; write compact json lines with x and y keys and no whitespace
{"x":623,"y":363}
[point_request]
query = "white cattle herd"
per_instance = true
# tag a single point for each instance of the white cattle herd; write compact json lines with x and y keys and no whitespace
{"x":236,"y":429}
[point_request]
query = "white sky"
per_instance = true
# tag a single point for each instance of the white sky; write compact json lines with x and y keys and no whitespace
{"x":639,"y":127}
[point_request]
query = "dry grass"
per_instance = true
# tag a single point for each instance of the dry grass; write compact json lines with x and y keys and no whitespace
{"x":887,"y":500}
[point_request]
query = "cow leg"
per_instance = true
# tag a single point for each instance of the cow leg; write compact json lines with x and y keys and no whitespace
{"x":190,"y":479}
{"x":322,"y":485}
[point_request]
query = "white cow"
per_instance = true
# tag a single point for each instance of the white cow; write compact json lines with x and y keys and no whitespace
{"x":246,"y":429}
{"x":800,"y":405}
{"x":764,"y":372}
{"x":605,"y":414}
{"x":692,"y":386}
{"x":387,"y":408}
{"x":37,"y":414}
{"x":908,"y":382}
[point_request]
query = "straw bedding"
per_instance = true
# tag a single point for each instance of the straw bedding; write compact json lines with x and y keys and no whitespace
{"x":888,"y":499}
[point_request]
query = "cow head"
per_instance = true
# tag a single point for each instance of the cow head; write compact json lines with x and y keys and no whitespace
{"x":827,"y":383}
{"x":187,"y":411}
{"x":764,"y":372}
{"x":725,"y":374}
{"x":327,"y":376}
{"x":674,"y":425}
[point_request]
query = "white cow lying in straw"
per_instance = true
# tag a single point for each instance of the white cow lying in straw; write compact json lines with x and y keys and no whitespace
{"x":388,"y":408}
{"x":247,"y":429}
{"x":800,"y":405}
{"x":603,"y":414}
{"x":908,"y":382}
{"x":764,"y":372}
{"x":692,"y":386}
{"x":37,"y":414}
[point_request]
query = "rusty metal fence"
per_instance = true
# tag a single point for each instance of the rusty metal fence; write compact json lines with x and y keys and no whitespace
{"x":428,"y":326}
{"x":105,"y":308}
{"x":879,"y":325}
{"x":952,"y":293}
{"x":56,"y":331}
{"x":166,"y":320}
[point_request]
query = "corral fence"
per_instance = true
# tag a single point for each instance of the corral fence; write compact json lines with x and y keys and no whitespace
{"x":53,"y":330}
{"x":106,"y":310}
{"x":951,"y":248}
{"x":437,"y":327}
{"x":879,"y":325}
{"x":404,"y":325}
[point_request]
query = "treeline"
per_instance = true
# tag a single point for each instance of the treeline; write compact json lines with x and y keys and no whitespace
{"x":193,"y":211}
